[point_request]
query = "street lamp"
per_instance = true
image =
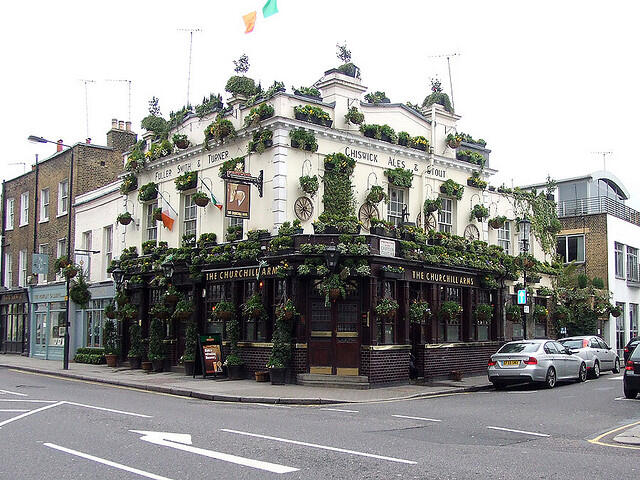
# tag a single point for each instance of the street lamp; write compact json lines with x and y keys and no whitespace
{"x":35,"y":139}
{"x":331,"y":255}
{"x":524,"y":229}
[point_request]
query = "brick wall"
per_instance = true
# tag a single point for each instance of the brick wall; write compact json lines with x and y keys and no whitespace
{"x":256,"y":358}
{"x":438,"y":361}
{"x":595,"y":227}
{"x":385,"y":366}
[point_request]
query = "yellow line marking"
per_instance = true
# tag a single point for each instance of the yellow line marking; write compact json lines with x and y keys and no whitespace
{"x":596,"y":441}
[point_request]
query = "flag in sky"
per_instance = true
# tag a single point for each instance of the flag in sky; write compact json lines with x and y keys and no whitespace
{"x":215,"y":202}
{"x":270,"y":8}
{"x":168,"y":216}
{"x":249,"y":21}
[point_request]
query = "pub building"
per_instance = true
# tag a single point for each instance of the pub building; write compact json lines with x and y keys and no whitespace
{"x":353,"y":280}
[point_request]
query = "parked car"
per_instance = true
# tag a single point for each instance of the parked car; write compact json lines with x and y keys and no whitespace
{"x":595,"y":352}
{"x":631,"y":379}
{"x":535,"y":361}
{"x":630,"y":347}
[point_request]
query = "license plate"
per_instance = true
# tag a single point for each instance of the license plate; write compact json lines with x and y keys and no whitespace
{"x":511,"y":363}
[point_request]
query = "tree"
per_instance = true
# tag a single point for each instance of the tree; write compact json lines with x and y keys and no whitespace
{"x":154,"y":106}
{"x":344,"y":54}
{"x":242,"y":64}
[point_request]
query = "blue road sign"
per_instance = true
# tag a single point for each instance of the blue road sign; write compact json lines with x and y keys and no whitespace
{"x":522,"y":297}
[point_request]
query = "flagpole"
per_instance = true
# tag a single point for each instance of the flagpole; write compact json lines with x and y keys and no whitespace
{"x":167,"y":202}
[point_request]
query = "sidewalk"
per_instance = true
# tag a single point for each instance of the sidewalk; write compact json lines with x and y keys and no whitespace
{"x":237,"y":390}
{"x":629,"y":437}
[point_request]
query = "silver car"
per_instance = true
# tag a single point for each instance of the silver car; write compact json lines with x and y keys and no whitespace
{"x":595,"y":352}
{"x":543,"y":361}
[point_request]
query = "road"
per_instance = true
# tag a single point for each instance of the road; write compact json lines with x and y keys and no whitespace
{"x":53,"y":428}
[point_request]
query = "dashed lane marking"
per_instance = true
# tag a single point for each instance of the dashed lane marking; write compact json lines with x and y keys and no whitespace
{"x":16,"y":410}
{"x":339,"y":410}
{"x":14,"y":393}
{"x":524,"y":432}
{"x":417,"y":418}
{"x":30,"y":412}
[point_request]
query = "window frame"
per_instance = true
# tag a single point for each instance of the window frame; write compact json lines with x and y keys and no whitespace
{"x":444,"y":225}
{"x":190,"y":217}
{"x":10,"y":214}
{"x":44,"y":204}
{"x":8,"y":270}
{"x":61,"y":252}
{"x":24,"y":209}
{"x":632,"y":265}
{"x":23,"y":258}
{"x":503,"y":232}
{"x":107,"y":248}
{"x":566,"y":248}
{"x":63,"y":197}
{"x":151,"y":225}
{"x":393,"y":215}
{"x":619,"y":260}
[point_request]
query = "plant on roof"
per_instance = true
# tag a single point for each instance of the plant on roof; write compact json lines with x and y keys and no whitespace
{"x":256,"y":114}
{"x":209,"y":105}
{"x":419,"y":143}
{"x":180,"y":140}
{"x":344,"y":55}
{"x":262,"y":139}
{"x":471,"y":157}
{"x":437,"y":96}
{"x":307,"y":92}
{"x":218,"y":130}
{"x":303,"y":139}
{"x":376,"y":97}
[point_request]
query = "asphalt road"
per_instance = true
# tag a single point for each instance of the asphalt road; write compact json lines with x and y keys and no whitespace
{"x":51,"y":428}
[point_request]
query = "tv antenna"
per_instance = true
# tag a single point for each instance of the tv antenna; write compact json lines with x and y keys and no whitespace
{"x":24,"y":165}
{"x":86,"y":101}
{"x":191,"y":31}
{"x":448,"y":57}
{"x":129,"y":92}
{"x":604,"y":158}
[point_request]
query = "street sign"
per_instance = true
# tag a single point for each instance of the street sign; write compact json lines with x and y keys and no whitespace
{"x":40,"y":263}
{"x":526,"y":309}
{"x":522,"y":297}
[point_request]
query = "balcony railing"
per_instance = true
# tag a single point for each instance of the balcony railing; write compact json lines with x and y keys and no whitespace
{"x":594,"y":205}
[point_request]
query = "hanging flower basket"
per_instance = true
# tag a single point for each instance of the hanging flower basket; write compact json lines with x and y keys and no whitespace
{"x":200,"y":199}
{"x":125,"y":218}
{"x":157,"y":214}
{"x":334,"y":294}
{"x":70,"y":271}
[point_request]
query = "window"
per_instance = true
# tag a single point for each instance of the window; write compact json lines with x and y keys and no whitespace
{"x":254,"y":329}
{"x":632,"y":264}
{"x":24,"y":209}
{"x":9,"y":214}
{"x":63,"y":197}
{"x":22,"y":268}
{"x":633,"y":320}
{"x":107,"y":248}
{"x":85,"y":257}
{"x":450,"y":330}
{"x":620,"y":331}
{"x":385,"y":327}
{"x":62,"y":251}
{"x":44,"y":205}
{"x":216,"y":292}
{"x":237,"y":222}
{"x":445,"y":216}
{"x":619,"y":252}
{"x":571,"y":248}
{"x":481,"y":325}
{"x":8,"y":270}
{"x":396,"y":205}
{"x":44,"y":249}
{"x":190,"y":213}
{"x":151,"y":224}
{"x":95,"y":317}
{"x":504,"y":237}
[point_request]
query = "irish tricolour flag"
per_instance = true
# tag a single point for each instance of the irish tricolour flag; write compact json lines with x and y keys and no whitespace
{"x":168,"y":216}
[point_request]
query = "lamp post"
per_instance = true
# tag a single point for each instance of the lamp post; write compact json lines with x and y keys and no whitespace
{"x":524,"y":229}
{"x":35,"y":139}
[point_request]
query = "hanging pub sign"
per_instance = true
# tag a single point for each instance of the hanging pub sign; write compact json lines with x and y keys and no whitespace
{"x":210,"y":348}
{"x":237,"y":201}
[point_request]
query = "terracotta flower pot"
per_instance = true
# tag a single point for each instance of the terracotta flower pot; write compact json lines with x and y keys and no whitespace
{"x":147,"y":366}
{"x":112,"y":360}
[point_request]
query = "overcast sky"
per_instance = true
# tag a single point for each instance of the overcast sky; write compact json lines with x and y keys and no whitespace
{"x":546,"y":85}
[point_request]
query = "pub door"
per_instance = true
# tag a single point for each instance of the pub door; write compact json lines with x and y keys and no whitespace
{"x":334,"y":337}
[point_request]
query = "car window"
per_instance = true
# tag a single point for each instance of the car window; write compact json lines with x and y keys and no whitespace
{"x":635,"y":355}
{"x":559,"y":347}
{"x":594,"y":343}
{"x":550,"y":348}
{"x":573,"y":343}
{"x":519,"y":347}
{"x":603,"y":344}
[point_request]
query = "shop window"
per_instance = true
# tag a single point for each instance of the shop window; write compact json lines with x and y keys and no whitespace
{"x":254,"y":328}
{"x":216,"y":292}
{"x":450,"y":330}
{"x":632,"y":264}
{"x":570,"y":248}
{"x":445,"y":215}
{"x":94,"y":322}
{"x":12,"y":317}
{"x":504,"y":237}
{"x":619,"y":253}
{"x":386,"y":327}
{"x":397,"y":201}
{"x":57,"y":319}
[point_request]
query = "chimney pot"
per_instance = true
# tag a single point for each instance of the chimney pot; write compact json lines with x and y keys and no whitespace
{"x":114,"y":123}
{"x":88,"y":140}
{"x":59,"y":146}
{"x":128,"y":125}
{"x":121,"y":125}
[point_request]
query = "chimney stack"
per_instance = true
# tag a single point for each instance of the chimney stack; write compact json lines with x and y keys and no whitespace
{"x":121,"y":124}
{"x":88,"y":141}
{"x":59,"y":146}
{"x":120,"y":138}
{"x":128,"y":126}
{"x":114,"y":123}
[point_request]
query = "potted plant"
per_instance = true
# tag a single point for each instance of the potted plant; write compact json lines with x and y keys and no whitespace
{"x":254,"y":306}
{"x":124,"y":218}
{"x":110,"y":310}
{"x":128,"y":312}
{"x":201,"y":199}
{"x":332,"y":287}
{"x":184,"y":309}
{"x":376,"y":195}
{"x":70,"y":271}
{"x":497,"y":222}
{"x":354,"y":116}
{"x":483,"y":312}
{"x":419,"y":143}
{"x":186,"y":181}
{"x":452,"y":188}
{"x":110,"y":341}
{"x":190,"y":348}
{"x":449,"y":310}
{"x":171,"y":296}
{"x":479,"y":212}
{"x":129,"y":184}
{"x":287,"y":309}
{"x":615,"y":311}
{"x":400,"y":177}
{"x":236,"y":164}
{"x":431,"y":206}
{"x":392,"y":271}
{"x":282,"y":348}
{"x":157,"y":351}
{"x":540,"y":313}
{"x":148,"y":192}
{"x":377,"y":227}
{"x":181,"y":141}
{"x":475,"y":181}
{"x":309,"y":185}
{"x":513,"y":313}
{"x":157,"y":214}
{"x":234,"y":232}
{"x":135,"y":346}
{"x":218,"y":130}
{"x":224,"y":310}
{"x":303,"y":139}
{"x":418,"y":311}
{"x":386,"y":307}
{"x":454,"y":140}
{"x":404,"y":139}
{"x":262,"y":139}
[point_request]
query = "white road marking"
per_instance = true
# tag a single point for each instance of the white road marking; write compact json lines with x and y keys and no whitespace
{"x":14,"y":393}
{"x":339,"y":410}
{"x":624,"y":399}
{"x":12,"y":410}
{"x":417,"y":418}
{"x":520,"y":431}
{"x":30,"y":401}
{"x":31,"y":412}
{"x":523,"y":392}
{"x":616,"y":378}
{"x":119,"y":466}
{"x":273,"y":405}
{"x":323,"y":447}
{"x":107,"y":409}
{"x":179,"y":440}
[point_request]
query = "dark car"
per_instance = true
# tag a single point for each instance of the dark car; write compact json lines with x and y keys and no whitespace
{"x":631,"y":379}
{"x":630,"y":347}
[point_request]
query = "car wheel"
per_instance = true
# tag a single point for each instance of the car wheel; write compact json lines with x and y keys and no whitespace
{"x":582,"y":373}
{"x":630,"y":393}
{"x":595,"y":371}
{"x":616,"y":366}
{"x":550,"y":381}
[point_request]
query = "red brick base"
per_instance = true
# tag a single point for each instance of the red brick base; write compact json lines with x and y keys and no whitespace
{"x":438,"y":361}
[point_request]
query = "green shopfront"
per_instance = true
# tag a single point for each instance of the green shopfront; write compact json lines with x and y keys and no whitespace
{"x":48,"y":316}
